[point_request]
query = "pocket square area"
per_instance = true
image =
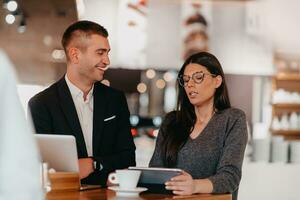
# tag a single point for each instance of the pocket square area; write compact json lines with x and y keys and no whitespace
{"x":109,"y":118}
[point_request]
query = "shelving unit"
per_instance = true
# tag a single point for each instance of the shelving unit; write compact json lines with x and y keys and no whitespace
{"x":281,"y":108}
{"x":288,"y":134}
{"x":291,"y":83}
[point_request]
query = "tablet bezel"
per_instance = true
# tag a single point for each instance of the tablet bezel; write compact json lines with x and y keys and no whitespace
{"x":156,"y":175}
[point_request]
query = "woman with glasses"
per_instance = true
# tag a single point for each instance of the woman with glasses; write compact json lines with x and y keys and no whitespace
{"x":204,"y":136}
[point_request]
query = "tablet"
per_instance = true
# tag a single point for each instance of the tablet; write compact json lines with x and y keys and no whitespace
{"x":154,"y":175}
{"x":154,"y":178}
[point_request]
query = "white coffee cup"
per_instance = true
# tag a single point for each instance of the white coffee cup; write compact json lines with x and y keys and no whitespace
{"x":127,"y":179}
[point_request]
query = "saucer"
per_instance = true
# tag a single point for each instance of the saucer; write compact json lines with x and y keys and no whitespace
{"x":127,"y":192}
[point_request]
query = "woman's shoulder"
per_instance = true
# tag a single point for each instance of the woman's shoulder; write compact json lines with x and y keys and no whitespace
{"x":233,"y":113}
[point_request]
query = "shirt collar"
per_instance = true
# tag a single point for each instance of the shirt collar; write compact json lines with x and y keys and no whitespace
{"x":76,"y":92}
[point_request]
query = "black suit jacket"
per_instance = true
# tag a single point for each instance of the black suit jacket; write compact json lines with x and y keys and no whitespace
{"x":53,"y":112}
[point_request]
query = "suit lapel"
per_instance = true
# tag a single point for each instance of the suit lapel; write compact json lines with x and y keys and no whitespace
{"x":100,"y":100}
{"x":69,"y":110}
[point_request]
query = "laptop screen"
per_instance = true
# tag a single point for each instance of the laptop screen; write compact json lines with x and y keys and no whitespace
{"x":59,"y":151}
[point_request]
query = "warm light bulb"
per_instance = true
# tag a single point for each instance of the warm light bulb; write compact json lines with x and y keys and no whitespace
{"x":10,"y":19}
{"x":12,"y":6}
{"x":150,"y":73}
{"x":142,"y":87}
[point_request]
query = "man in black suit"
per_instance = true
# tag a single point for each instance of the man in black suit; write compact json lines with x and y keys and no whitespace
{"x":78,"y":104}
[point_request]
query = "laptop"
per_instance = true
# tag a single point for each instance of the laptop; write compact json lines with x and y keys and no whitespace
{"x":60,"y":152}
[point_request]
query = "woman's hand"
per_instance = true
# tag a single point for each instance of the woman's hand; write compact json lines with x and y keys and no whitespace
{"x":183,"y":184}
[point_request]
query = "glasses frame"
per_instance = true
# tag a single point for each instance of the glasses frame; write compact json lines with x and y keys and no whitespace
{"x":184,"y":84}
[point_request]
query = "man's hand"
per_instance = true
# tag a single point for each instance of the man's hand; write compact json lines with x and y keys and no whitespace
{"x":86,"y":167}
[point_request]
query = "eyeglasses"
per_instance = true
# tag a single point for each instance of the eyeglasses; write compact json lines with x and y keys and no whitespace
{"x":197,"y":77}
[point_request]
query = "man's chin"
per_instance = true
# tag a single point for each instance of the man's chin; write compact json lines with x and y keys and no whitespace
{"x":99,"y":76}
{"x":99,"y":79}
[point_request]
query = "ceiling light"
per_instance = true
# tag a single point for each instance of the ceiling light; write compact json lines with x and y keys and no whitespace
{"x":160,"y":83}
{"x":169,"y":76}
{"x":12,"y":6}
{"x":47,"y":40}
{"x":142,"y":87}
{"x":157,"y":121}
{"x":10,"y":19}
{"x":22,"y":26}
{"x":134,"y":120}
{"x":58,"y":54}
{"x":21,"y":29}
{"x":150,"y":73}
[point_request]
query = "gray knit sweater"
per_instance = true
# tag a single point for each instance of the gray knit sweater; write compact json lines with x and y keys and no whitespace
{"x":217,"y":153}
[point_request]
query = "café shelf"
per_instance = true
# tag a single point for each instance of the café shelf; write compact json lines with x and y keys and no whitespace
{"x":288,"y":134}
{"x":281,"y":108}
{"x":289,"y":82}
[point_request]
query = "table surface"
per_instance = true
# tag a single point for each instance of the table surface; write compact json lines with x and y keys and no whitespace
{"x":98,"y":194}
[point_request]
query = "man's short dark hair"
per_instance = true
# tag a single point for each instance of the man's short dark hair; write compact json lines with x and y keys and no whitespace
{"x":82,"y":29}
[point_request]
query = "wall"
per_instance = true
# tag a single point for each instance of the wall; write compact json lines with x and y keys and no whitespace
{"x":243,"y":35}
{"x":240,"y":92}
{"x":282,"y":24}
{"x":238,"y":51}
{"x":163,"y":49}
{"x":104,"y":13}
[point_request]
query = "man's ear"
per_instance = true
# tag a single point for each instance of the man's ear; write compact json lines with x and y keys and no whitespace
{"x":73,"y":55}
{"x":218,"y":81}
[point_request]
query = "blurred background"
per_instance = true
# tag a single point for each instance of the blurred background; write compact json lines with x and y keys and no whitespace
{"x":256,"y":41}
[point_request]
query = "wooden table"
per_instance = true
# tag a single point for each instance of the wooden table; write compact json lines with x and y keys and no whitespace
{"x":99,"y":194}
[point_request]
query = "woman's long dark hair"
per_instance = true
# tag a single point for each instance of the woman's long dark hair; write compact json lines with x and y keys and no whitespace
{"x":177,"y":130}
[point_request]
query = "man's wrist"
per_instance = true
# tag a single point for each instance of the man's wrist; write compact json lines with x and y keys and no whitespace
{"x":97,"y":165}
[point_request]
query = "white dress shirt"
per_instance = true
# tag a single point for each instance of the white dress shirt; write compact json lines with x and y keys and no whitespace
{"x":84,"y":110}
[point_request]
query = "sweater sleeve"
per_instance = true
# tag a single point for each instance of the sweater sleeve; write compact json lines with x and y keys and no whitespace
{"x":228,"y":174}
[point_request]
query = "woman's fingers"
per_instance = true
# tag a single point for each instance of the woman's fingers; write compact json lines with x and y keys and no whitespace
{"x":176,"y":183}
{"x":174,"y":187}
{"x":180,"y":192}
{"x":181,"y":185}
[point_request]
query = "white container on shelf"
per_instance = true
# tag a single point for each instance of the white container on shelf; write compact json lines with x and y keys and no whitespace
{"x":293,"y":121}
{"x":276,"y":125}
{"x":284,"y":122}
{"x":295,"y":151}
{"x":261,"y":150}
{"x":279,"y":150}
{"x":261,"y":143}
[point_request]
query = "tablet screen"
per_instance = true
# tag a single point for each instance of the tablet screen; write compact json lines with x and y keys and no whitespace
{"x":154,"y":175}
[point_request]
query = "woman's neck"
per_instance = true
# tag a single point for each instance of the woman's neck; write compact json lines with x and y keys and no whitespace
{"x":204,"y":113}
